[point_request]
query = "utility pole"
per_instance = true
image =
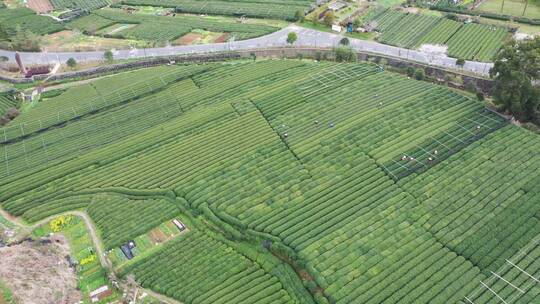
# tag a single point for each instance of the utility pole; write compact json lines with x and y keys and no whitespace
{"x":525,"y":8}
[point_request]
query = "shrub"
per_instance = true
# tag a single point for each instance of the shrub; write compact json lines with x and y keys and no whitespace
{"x":460,"y":62}
{"x":345,"y":54}
{"x":108,"y":56}
{"x":410,"y":71}
{"x":419,"y":74}
{"x":299,"y":16}
{"x":292,"y":37}
{"x":12,"y":113}
{"x":71,"y":62}
{"x":480,"y":95}
{"x":344,"y":41}
{"x":329,"y":18}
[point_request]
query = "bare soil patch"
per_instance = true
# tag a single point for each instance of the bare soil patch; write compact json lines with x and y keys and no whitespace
{"x":157,"y":236}
{"x":223,"y":38}
{"x":39,"y":273}
{"x":188,"y":38}
{"x":40,"y":6}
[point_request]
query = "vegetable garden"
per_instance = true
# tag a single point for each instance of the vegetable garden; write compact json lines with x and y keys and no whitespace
{"x":375,"y":187}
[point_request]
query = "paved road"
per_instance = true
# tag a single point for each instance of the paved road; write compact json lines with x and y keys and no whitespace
{"x":306,"y":38}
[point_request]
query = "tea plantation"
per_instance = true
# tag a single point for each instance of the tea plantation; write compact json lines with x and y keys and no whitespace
{"x":472,"y":41}
{"x":299,"y":181}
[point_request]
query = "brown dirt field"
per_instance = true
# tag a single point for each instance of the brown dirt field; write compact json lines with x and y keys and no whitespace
{"x":222,"y":38}
{"x":188,"y":39}
{"x":157,"y":236}
{"x":40,"y":6}
{"x":38,"y":273}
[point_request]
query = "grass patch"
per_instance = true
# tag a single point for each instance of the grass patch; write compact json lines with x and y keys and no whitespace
{"x":511,"y":7}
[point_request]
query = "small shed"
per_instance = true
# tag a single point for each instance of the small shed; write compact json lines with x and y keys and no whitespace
{"x":179,"y":225}
{"x":127,"y":249}
{"x":100,"y":293}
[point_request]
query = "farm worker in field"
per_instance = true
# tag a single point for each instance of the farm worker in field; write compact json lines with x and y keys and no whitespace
{"x":404,"y":157}
{"x":316,"y":122}
{"x":331,"y":125}
{"x":435,"y":152}
{"x":285,"y":135}
{"x":430,"y":159}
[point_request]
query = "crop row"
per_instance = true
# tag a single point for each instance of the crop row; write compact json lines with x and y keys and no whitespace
{"x":195,"y":268}
{"x":517,"y":272}
{"x":7,"y":102}
{"x":468,"y":41}
{"x":258,"y":9}
{"x":159,"y":28}
{"x":26,"y":19}
{"x":87,"y":5}
{"x":66,"y":107}
{"x":304,"y":170}
{"x":120,"y":219}
{"x":477,"y":41}
{"x":408,"y":30}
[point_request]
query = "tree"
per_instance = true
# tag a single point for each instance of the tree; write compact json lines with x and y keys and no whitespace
{"x":357,"y":23}
{"x":345,"y":54}
{"x":292,"y":37}
{"x":71,"y":62}
{"x":516,"y":75}
{"x":108,"y":56}
{"x":344,"y":41}
{"x":299,"y":16}
{"x":480,"y":95}
{"x":460,"y":62}
{"x":410,"y":71}
{"x":329,"y":18}
{"x":419,"y":74}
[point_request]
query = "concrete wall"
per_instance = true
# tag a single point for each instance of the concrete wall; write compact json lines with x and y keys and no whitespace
{"x":466,"y":81}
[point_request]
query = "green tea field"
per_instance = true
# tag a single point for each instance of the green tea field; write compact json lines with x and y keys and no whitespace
{"x":298,"y":181}
{"x":471,"y":41}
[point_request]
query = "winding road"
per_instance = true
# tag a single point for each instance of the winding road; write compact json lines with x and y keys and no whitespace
{"x":306,"y":38}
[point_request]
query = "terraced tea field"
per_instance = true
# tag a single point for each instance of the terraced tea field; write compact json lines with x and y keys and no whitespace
{"x":275,"y":9}
{"x":473,"y":41}
{"x":26,"y":19}
{"x":159,"y":28}
{"x":367,"y":186}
